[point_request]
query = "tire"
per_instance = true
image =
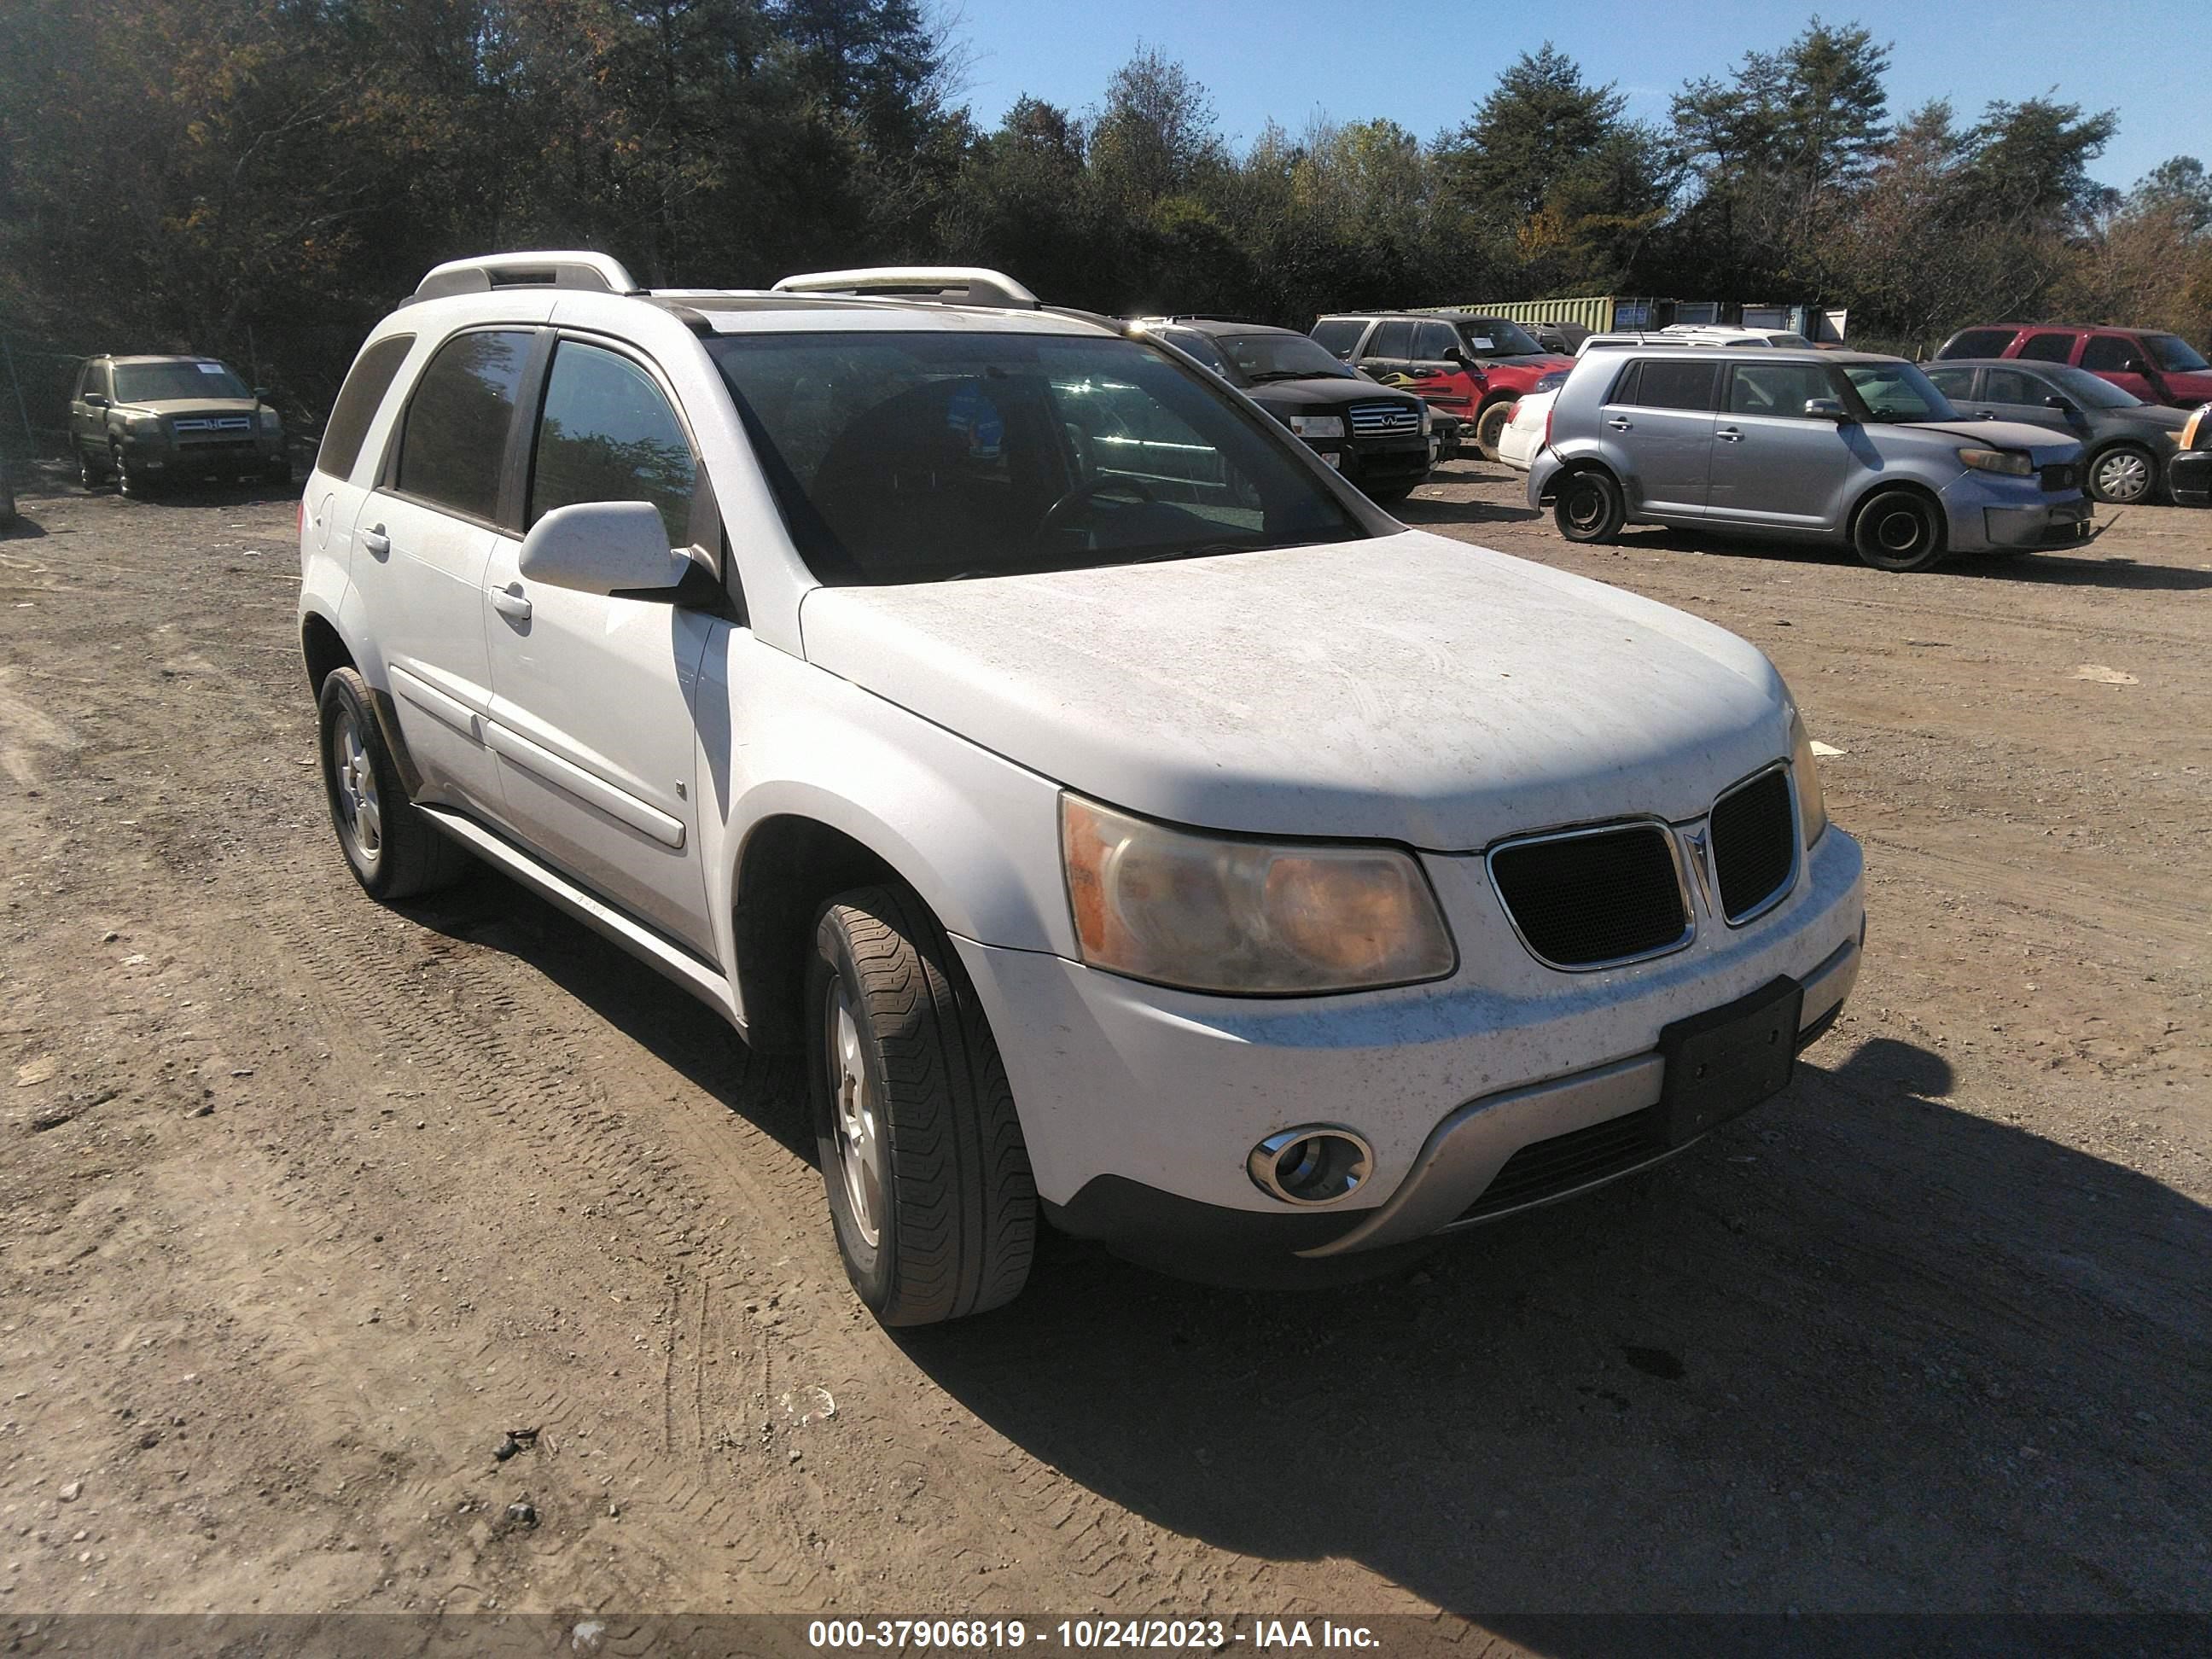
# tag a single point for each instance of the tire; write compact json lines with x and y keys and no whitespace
{"x":393,"y":849}
{"x":1490,"y":426}
{"x":2124,"y":475}
{"x":129,"y":481}
{"x":88,"y":476}
{"x":922,"y":1156}
{"x":1587,"y":506}
{"x":1389,"y":495}
{"x":1898,"y":530}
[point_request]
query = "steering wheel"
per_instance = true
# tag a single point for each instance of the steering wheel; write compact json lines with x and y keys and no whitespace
{"x":1083,"y":492}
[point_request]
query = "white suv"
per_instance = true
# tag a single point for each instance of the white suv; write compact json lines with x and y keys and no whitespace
{"x":1135,"y":829}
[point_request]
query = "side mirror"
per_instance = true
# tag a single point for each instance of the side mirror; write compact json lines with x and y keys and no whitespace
{"x":95,"y":400}
{"x":261,"y":394}
{"x":2065,"y":406}
{"x":616,"y":548}
{"x":1825,"y":409}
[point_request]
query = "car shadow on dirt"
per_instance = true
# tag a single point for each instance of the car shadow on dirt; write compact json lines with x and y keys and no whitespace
{"x":1422,"y":512}
{"x":488,"y":909}
{"x":1860,"y":1349}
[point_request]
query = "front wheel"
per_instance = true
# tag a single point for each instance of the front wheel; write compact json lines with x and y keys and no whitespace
{"x":1898,"y":530}
{"x":2123,"y":475}
{"x":922,"y":1156}
{"x":129,"y":480}
{"x":1490,"y":427}
{"x":1589,"y":507}
{"x":1389,"y":495}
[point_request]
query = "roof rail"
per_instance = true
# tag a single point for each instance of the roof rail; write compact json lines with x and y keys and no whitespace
{"x":959,"y":285}
{"x":565,"y":268}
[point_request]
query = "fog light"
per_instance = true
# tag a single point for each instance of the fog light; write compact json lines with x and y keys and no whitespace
{"x":1320,"y":1164}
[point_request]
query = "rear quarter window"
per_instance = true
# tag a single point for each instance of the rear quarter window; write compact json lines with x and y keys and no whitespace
{"x":359,"y":399}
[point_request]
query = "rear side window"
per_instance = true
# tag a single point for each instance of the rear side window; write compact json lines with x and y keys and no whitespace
{"x":2109,"y":354}
{"x":359,"y":398}
{"x":608,"y":434}
{"x":2047,"y":348}
{"x":455,"y":441}
{"x":1677,"y":385}
{"x":1392,"y":340}
{"x":1980,"y":343}
{"x":1340,"y":334}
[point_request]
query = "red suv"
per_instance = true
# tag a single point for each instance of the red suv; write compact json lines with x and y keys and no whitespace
{"x":2158,"y":368}
{"x":1471,"y":365}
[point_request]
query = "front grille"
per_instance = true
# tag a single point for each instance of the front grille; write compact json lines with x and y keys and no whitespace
{"x":2061,"y":476}
{"x":1384,"y":420}
{"x":213,"y":423}
{"x":1754,"y":840}
{"x":1595,"y":898}
{"x":1546,"y":1169}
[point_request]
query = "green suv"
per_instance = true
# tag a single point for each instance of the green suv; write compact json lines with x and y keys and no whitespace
{"x":144,"y":421}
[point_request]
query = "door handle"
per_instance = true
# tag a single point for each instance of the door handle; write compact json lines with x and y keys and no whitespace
{"x":1621,"y":423}
{"x":1729,"y":434}
{"x":510,"y":601}
{"x":376,"y":541}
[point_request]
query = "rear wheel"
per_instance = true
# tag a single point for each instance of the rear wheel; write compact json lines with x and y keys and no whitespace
{"x":1490,"y":427}
{"x":1898,"y":530}
{"x":1589,"y":507}
{"x":927,"y":1176}
{"x":391,"y":848}
{"x":2123,"y":475}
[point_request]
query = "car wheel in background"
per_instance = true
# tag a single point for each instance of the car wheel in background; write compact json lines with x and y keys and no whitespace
{"x":393,"y":849}
{"x":1389,"y":495}
{"x":1490,"y":426}
{"x":2122,"y":475}
{"x":1587,"y":506}
{"x":922,"y":1156}
{"x":1898,"y":530}
{"x":88,"y":476}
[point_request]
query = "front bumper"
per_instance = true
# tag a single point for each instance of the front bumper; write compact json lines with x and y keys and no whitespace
{"x":1380,"y":460}
{"x":2189,"y":477}
{"x":2062,"y":525}
{"x":218,"y":458}
{"x":1125,"y":1086}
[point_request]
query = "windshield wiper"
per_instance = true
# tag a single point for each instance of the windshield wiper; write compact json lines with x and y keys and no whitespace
{"x":1290,"y":374}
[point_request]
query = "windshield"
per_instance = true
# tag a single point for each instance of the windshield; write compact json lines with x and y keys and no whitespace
{"x":2090,"y":390}
{"x":1184,"y":339}
{"x":1282,"y":357}
{"x":155,"y":383}
{"x":2173,"y":354}
{"x":1899,"y":391}
{"x":929,"y":457}
{"x":1494,"y":337}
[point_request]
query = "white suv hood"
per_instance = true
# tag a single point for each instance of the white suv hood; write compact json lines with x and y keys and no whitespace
{"x":1407,"y":688}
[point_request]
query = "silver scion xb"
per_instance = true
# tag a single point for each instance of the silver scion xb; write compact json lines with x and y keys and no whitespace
{"x":1820,"y":445}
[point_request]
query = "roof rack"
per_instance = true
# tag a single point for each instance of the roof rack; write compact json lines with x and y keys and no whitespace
{"x":958,"y":285}
{"x":566,"y":268}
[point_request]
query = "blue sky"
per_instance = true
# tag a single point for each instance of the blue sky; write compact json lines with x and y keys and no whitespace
{"x":1426,"y":65}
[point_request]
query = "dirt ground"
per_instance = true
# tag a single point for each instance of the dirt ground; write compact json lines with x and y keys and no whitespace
{"x":305,"y":1204}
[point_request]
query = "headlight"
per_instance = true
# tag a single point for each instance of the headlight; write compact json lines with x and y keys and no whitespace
{"x":143,"y":424}
{"x":1317,"y":426}
{"x":1811,"y":801}
{"x":1211,"y":914}
{"x":1427,"y":419}
{"x":271,"y":421}
{"x":2013,"y":462}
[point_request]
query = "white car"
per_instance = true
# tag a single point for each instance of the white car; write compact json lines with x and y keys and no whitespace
{"x":1135,"y":829}
{"x":1527,"y":432}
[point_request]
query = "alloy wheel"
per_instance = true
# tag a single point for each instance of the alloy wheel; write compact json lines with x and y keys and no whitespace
{"x":856,"y":1115}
